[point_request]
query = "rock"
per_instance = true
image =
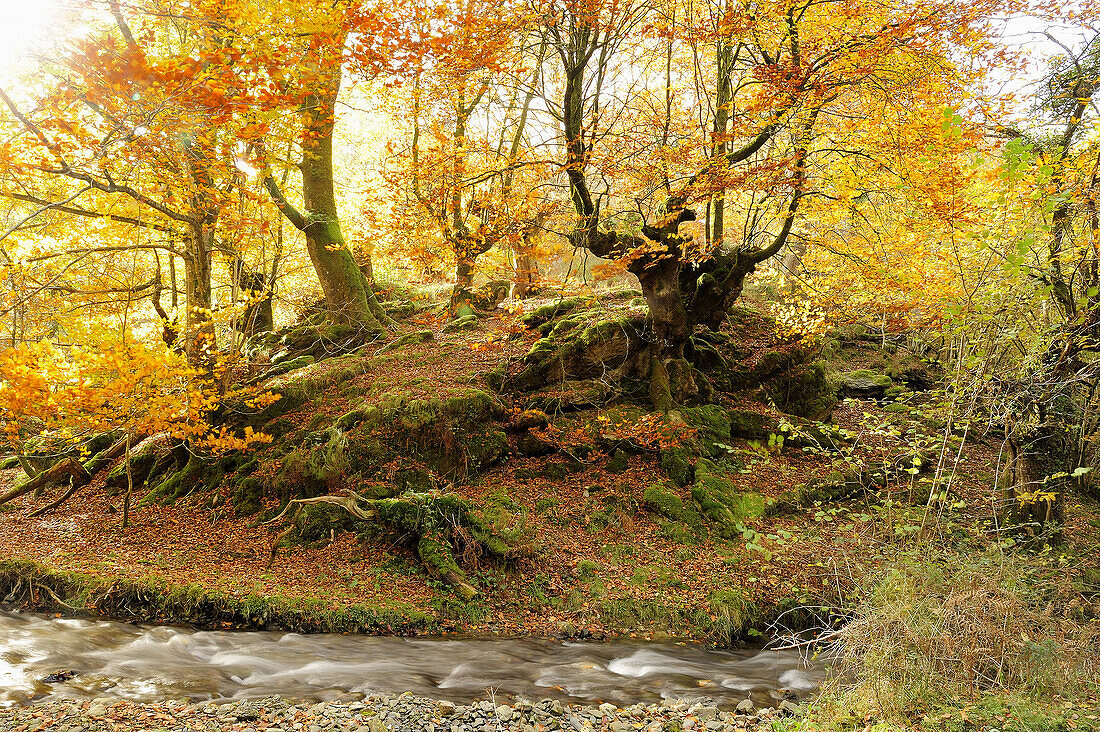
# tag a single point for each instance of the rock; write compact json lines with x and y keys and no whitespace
{"x":97,"y":710}
{"x":863,"y":384}
{"x":751,"y":425}
{"x":504,"y":713}
{"x":619,"y":726}
{"x":572,"y":395}
{"x":532,"y":419}
{"x":746,"y":707}
{"x":466,"y":322}
{"x":491,"y":294}
{"x":789,"y":707}
{"x":420,"y":336}
{"x":704,"y":712}
{"x":619,"y":462}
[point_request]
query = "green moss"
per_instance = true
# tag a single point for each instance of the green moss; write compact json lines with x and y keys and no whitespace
{"x":420,"y":336}
{"x":619,"y":462}
{"x":880,"y":379}
{"x":661,"y":500}
{"x":546,"y":313}
{"x":751,"y":425}
{"x":485,"y":449}
{"x":712,"y":424}
{"x":679,"y":464}
{"x":721,"y":502}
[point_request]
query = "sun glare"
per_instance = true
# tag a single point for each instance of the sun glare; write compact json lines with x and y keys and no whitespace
{"x":25,"y":24}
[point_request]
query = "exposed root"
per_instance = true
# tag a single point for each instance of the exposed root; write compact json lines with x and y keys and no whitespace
{"x":440,"y":527}
{"x":64,"y":497}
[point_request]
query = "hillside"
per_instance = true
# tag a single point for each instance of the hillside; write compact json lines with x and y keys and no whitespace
{"x":502,"y":505}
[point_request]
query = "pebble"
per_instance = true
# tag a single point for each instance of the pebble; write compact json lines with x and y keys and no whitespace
{"x":404,"y":713}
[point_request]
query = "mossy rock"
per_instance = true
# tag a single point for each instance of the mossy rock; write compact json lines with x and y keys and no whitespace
{"x":751,"y":425}
{"x":530,"y":445}
{"x":546,"y":313}
{"x":663,"y":501}
{"x":627,"y":294}
{"x":400,"y":309}
{"x":472,"y":408}
{"x":619,"y":462}
{"x":280,"y":367}
{"x":803,"y":392}
{"x":465,"y":322}
{"x":679,"y":464}
{"x":863,"y":384}
{"x":896,"y":392}
{"x":420,"y":336}
{"x":485,"y":449}
{"x":720,"y":500}
{"x":532,"y":419}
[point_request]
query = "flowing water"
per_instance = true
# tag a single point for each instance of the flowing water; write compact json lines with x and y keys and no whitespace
{"x":153,"y":663}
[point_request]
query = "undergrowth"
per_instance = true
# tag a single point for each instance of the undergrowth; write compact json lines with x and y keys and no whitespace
{"x":944,"y":641}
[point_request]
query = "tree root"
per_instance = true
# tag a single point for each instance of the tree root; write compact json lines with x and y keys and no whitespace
{"x":51,"y":506}
{"x":437,"y":523}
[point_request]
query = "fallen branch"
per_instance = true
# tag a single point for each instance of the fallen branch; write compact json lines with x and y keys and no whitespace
{"x":348,"y":503}
{"x":51,"y":506}
{"x":68,"y":466}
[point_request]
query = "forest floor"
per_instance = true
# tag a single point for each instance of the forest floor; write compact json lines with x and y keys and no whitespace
{"x":598,"y":567}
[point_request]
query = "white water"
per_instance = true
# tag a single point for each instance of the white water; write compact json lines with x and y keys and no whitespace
{"x":144,"y":663}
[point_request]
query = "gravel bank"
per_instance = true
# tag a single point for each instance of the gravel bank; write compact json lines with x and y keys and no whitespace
{"x":383,"y":714}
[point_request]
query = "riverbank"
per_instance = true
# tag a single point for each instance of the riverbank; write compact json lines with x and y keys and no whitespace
{"x":388,"y":714}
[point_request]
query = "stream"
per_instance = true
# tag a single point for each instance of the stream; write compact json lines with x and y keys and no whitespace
{"x":154,"y":663}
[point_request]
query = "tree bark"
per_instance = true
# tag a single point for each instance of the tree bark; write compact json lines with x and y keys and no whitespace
{"x":347,"y":297}
{"x":67,"y":467}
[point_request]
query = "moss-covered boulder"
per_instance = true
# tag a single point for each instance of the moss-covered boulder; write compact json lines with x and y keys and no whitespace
{"x":863,"y":384}
{"x":803,"y":391}
{"x":751,"y":425}
{"x":720,"y":500}
{"x":420,"y":336}
{"x":679,"y":465}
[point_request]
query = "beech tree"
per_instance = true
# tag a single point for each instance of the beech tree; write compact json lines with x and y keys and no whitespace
{"x":784,"y":71}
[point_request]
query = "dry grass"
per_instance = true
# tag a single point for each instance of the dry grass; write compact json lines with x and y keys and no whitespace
{"x":934,"y":631}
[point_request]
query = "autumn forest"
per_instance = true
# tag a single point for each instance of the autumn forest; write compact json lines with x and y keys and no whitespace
{"x":683,"y":333}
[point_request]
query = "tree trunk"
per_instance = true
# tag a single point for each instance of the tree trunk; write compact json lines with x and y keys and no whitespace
{"x":68,"y":466}
{"x":346,"y":295}
{"x":671,"y":379}
{"x":200,"y":342}
{"x":463,"y":291}
{"x":348,"y":299}
{"x":1038,"y":466}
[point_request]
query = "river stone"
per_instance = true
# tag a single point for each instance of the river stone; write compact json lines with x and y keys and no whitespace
{"x":504,"y":713}
{"x":703,"y":712}
{"x":619,"y":726}
{"x":790,"y":707}
{"x":97,"y":710}
{"x":746,"y":707}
